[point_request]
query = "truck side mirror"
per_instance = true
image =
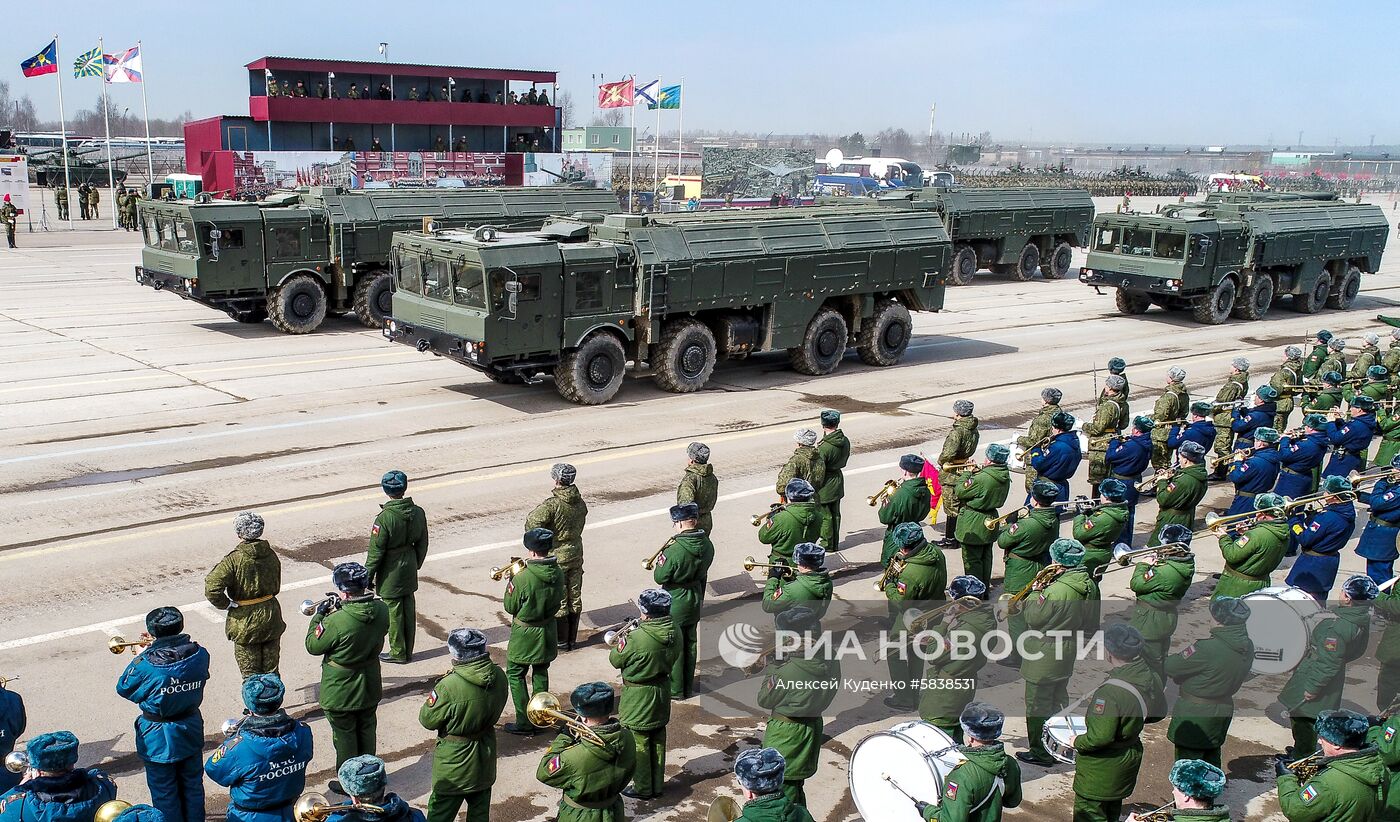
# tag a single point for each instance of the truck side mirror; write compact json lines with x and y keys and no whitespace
{"x":513,"y":297}
{"x":1202,"y":247}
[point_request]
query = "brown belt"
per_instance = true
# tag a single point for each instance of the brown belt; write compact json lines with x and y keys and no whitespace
{"x":244,"y":603}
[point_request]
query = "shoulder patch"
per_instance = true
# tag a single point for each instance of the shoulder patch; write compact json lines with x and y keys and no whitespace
{"x":1298,"y":528}
{"x":555,"y":764}
{"x":967,"y":483}
{"x":777,"y":593}
{"x":1389,"y":733}
{"x":661,"y":560}
{"x":1309,"y":793}
{"x":1189,"y":652}
{"x":1243,"y":540}
{"x":622,"y":644}
{"x":1150,"y":573}
{"x":1100,"y":706}
{"x":1088,"y":523}
{"x":320,"y":629}
{"x":375,"y":530}
{"x":228,"y":745}
{"x":1171,"y":486}
{"x":1329,"y":644}
{"x":952,"y":790}
{"x":1244,"y":466}
{"x":432,"y":697}
{"x":1013,"y":527}
{"x":510,"y":587}
{"x":1042,"y":598}
{"x":901,"y":586}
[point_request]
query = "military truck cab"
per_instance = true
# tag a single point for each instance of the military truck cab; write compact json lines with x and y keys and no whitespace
{"x":209,"y":252}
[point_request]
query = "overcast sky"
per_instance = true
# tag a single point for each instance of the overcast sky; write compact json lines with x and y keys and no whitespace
{"x":1168,"y":72}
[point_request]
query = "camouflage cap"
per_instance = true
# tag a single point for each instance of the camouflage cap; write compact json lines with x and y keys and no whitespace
{"x":963,"y":408}
{"x":248,"y":526}
{"x":1343,"y":728}
{"x":1337,"y":344}
{"x":1115,"y":382}
{"x":1292,"y":352}
{"x":563,"y":473}
{"x":1361,"y":588}
{"x":1240,"y":364}
{"x":1372,"y":338}
{"x":1054,"y":395}
{"x":798,"y":490}
{"x":1175,"y":374}
{"x":805,"y":436}
{"x":967,"y":585}
{"x":698,"y":452}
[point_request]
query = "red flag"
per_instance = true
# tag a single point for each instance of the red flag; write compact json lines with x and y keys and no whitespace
{"x":615,"y":95}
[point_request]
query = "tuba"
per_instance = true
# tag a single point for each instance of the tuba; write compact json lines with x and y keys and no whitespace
{"x":110,"y":810}
{"x":886,"y":491}
{"x":543,"y":711}
{"x":515,"y":566}
{"x":117,"y":645}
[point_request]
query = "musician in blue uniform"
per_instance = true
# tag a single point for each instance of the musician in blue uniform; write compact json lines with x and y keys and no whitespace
{"x":365,"y":779}
{"x":54,"y":790}
{"x":1245,"y":421}
{"x":1127,"y":459}
{"x":12,"y":723}
{"x":1320,"y":536}
{"x":1352,"y":439}
{"x":263,"y":764}
{"x":1300,"y":458}
{"x":1378,"y":539}
{"x":1256,"y":473}
{"x":1201,"y":428}
{"x":167,"y":682}
{"x":1058,"y":460}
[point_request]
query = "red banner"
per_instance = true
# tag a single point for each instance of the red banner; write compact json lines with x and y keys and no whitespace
{"x":615,"y":95}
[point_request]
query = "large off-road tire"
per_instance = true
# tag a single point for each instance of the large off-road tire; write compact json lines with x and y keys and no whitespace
{"x":823,"y":345}
{"x":592,"y":373}
{"x":1131,"y":302}
{"x":685,"y":357}
{"x":1215,"y":307}
{"x":1027,"y":263}
{"x":1253,"y":301}
{"x":298,"y":306}
{"x":1342,"y":298}
{"x":1056,"y":265}
{"x":1313,"y":301}
{"x":374,"y":298}
{"x":964,"y":267}
{"x":885,"y":336}
{"x":252,"y":316}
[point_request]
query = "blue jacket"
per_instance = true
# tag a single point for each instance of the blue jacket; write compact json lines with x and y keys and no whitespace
{"x":71,"y":797}
{"x":263,"y":766}
{"x":1201,"y":431}
{"x":1354,"y":436}
{"x":167,"y":682}
{"x":1129,"y":457}
{"x":1328,"y":531}
{"x":1059,"y":460}
{"x":1247,"y":419}
{"x":1303,"y":455}
{"x":1256,"y":474}
{"x":12,"y":725}
{"x":1378,"y":538}
{"x":395,"y":810}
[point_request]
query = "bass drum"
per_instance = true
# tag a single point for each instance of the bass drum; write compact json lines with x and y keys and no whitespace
{"x":917,"y":756}
{"x":1058,"y":736}
{"x":1280,"y":618}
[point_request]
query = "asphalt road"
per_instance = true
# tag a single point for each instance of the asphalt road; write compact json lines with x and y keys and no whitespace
{"x":133,"y":426}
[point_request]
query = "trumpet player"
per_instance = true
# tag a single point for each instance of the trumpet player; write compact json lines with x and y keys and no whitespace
{"x":1026,"y":541}
{"x":644,"y":658}
{"x":1254,"y":553}
{"x":1199,"y":428}
{"x":1108,"y":755}
{"x":922,"y":579}
{"x":683,"y":568}
{"x":1254,"y":471}
{"x":1039,"y":428}
{"x":1376,"y":386}
{"x":796,"y":692}
{"x":1369,"y":355}
{"x":13,"y":721}
{"x":956,"y":674}
{"x":1127,"y":459}
{"x":348,"y":639}
{"x":1160,"y":583}
{"x":1300,"y":455}
{"x":699,"y":485}
{"x":1178,"y":496}
{"x":1245,"y":421}
{"x":1210,"y":672}
{"x":1388,"y":653}
{"x":1105,"y":426}
{"x":1058,"y":460}
{"x":910,"y":503}
{"x":1352,"y":439}
{"x":245,"y":583}
{"x":958,"y":448}
{"x":532,"y":596}
{"x":1328,"y":395}
{"x":1320,"y":536}
{"x":263,"y":764}
{"x":54,"y":789}
{"x":462,"y":709}
{"x":564,"y":515}
{"x":1285,"y":381}
{"x":1334,"y":641}
{"x":1378,"y":539}
{"x":367,"y":782}
{"x":760,"y":772}
{"x":795,"y":521}
{"x":1097,"y":529}
{"x":835,"y":451}
{"x":398,"y":546}
{"x":1174,"y":404}
{"x":1347,"y":782}
{"x":1230,"y":395}
{"x":805,"y":463}
{"x":592,"y":776}
{"x":980,"y":494}
{"x":166,"y":681}
{"x":811,"y":586}
{"x":1196,"y":785}
{"x":986,"y":781}
{"x":1317,"y":355}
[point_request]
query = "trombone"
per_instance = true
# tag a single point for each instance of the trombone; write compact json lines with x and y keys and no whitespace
{"x":991,"y":523}
{"x":1357,"y":478}
{"x":313,"y":807}
{"x":543,"y":711}
{"x":6,"y":680}
{"x":894,"y":569}
{"x":508,"y":571}
{"x":1128,"y":557}
{"x":1151,"y":482}
{"x":117,"y":645}
{"x":616,"y":635}
{"x":886,"y":491}
{"x":962,"y":465}
{"x":767,"y":516}
{"x":916,"y":620}
{"x":788,"y":571}
{"x":650,"y":562}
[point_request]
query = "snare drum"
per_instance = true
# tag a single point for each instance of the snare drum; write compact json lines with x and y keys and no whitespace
{"x":1280,"y":618}
{"x":917,"y":755}
{"x":1058,"y":736}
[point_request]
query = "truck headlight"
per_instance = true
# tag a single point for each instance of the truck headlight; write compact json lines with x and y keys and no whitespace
{"x":393,"y":326}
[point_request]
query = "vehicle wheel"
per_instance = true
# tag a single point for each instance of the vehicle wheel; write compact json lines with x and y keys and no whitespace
{"x":685,"y":357}
{"x":822,"y":346}
{"x":252,"y":316}
{"x":1254,"y":301}
{"x":299,"y":306}
{"x":885,"y":336}
{"x":1132,"y":302}
{"x":1056,"y":266}
{"x":1025,"y":267}
{"x":1343,"y":297}
{"x":374,"y":298}
{"x":592,"y":373}
{"x":964,"y":266}
{"x":1312,"y":302}
{"x":1215,"y":307}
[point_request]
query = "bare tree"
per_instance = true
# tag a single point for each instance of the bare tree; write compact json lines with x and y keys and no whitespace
{"x":565,"y":102}
{"x":894,"y":142}
{"x":17,"y":112}
{"x":611,"y":117}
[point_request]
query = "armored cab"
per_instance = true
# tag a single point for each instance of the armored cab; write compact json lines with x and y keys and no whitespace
{"x":298,"y":255}
{"x":676,"y":292}
{"x":1236,"y":257}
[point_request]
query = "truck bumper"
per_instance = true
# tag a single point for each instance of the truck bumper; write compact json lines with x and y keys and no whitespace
{"x":1134,"y":282}
{"x":187,"y":289}
{"x":459,"y":350}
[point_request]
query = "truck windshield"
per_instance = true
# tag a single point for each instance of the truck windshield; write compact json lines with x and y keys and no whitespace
{"x":409,"y":271}
{"x":437,"y":280}
{"x":469,"y":287}
{"x":1169,"y":246}
{"x":1137,"y":241}
{"x":1107,"y":240}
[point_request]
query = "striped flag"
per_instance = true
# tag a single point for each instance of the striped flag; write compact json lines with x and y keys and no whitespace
{"x":46,"y":62}
{"x":89,"y":64}
{"x":124,"y":67}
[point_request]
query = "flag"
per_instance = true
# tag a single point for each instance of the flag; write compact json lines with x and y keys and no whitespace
{"x":89,"y":64}
{"x":670,"y":96}
{"x":124,"y":67}
{"x":647,"y":93}
{"x":45,"y":62}
{"x":615,"y":95}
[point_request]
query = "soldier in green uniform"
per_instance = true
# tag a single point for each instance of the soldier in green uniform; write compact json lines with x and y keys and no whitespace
{"x":1334,"y":641}
{"x":1102,"y":428}
{"x":796,"y":521}
{"x":986,"y":780}
{"x":1196,"y":786}
{"x":958,"y":449}
{"x":1289,"y":374}
{"x":796,"y":691}
{"x":348,"y":633}
{"x":366,"y":782}
{"x":835,"y":451}
{"x":1178,"y":496}
{"x":1235,"y":390}
{"x":60,"y":199}
{"x":1384,"y":736}
{"x":398,"y":545}
{"x":1352,"y":781}
{"x":1251,"y":556}
{"x":805,"y":463}
{"x":531,"y":598}
{"x":462,"y":709}
{"x":979,"y":495}
{"x":644,"y":657}
{"x":1369,"y":355}
{"x":564,"y":515}
{"x":683,"y":569}
{"x":909,"y":503}
{"x":9,"y":217}
{"x":760,"y":773}
{"x":1160,"y":584}
{"x":1330,"y":394}
{"x":129,"y":214}
{"x":592,"y":776}
{"x":246,"y":583}
{"x":922,"y":578}
{"x":1052,"y":616}
{"x":1388,"y":650}
{"x":1210,"y":672}
{"x":1098,"y":529}
{"x":700,"y":486}
{"x":1038,"y":432}
{"x":1026,"y":541}
{"x":811,"y":586}
{"x":1174,"y":404}
{"x":1388,"y":427}
{"x":1108,"y":754}
{"x":1317,"y":355}
{"x":1377,"y":385}
{"x":954,"y":654}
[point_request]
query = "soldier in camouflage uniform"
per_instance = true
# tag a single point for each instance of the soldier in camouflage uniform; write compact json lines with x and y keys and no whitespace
{"x":1369,"y":355}
{"x":683,"y":569}
{"x":1336,"y":358}
{"x":1106,"y":424}
{"x":246,"y":583}
{"x":797,"y":691}
{"x":1391,"y":358}
{"x":463,"y":709}
{"x":958,"y":448}
{"x":980,"y":495}
{"x":1289,"y":374}
{"x":700,"y":486}
{"x":129,"y":210}
{"x":1174,"y":404}
{"x":1235,"y":389}
{"x":592,"y":776}
{"x":1108,"y":755}
{"x":910,"y":502}
{"x":760,"y":773}
{"x":1039,"y":429}
{"x":1210,"y":672}
{"x":1313,"y":364}
{"x":986,"y":780}
{"x":60,"y":199}
{"x":564,"y":515}
{"x":810,"y":587}
{"x":398,"y":546}
{"x":534,"y":637}
{"x":1117,"y":367}
{"x":805,"y":463}
{"x":348,"y":634}
{"x":1352,"y":782}
{"x":835,"y":451}
{"x":644,"y":658}
{"x":94,"y":195}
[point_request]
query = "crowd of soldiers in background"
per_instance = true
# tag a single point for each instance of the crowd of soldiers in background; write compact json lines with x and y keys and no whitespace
{"x":89,"y":196}
{"x":535,"y":97}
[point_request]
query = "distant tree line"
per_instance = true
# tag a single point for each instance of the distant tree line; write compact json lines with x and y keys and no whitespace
{"x":17,"y":114}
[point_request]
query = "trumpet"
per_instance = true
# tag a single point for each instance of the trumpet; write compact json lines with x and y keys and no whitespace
{"x":991,"y":523}
{"x":16,"y":761}
{"x":894,"y":569}
{"x":1215,"y":521}
{"x":767,"y":516}
{"x":109,"y":811}
{"x":1242,"y":454}
{"x":1040,"y":443}
{"x":962,"y":465}
{"x":232,"y":726}
{"x":313,"y":807}
{"x":886,"y":491}
{"x":616,"y":635}
{"x":311,"y":606}
{"x":508,"y":571}
{"x":543,"y":711}
{"x":117,"y":645}
{"x":788,"y":571}
{"x":1307,"y":767}
{"x":916,"y":620}
{"x":650,"y":562}
{"x":1128,"y":557}
{"x":1010,"y":604}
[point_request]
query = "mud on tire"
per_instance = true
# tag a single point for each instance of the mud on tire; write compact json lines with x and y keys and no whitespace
{"x":823,"y":345}
{"x":685,"y":357}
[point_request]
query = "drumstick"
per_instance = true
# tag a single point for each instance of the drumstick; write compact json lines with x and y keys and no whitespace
{"x":890,"y":780}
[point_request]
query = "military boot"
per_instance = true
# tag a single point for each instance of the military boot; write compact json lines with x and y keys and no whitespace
{"x":950,"y":527}
{"x":561,"y":629}
{"x":574,"y":620}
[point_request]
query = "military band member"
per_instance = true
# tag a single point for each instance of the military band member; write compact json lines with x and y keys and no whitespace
{"x":167,"y":682}
{"x":980,"y":494}
{"x":1254,"y":472}
{"x":1026,"y":541}
{"x":1253,"y":554}
{"x":263,"y":763}
{"x":795,"y":521}
{"x":1351,"y":784}
{"x":1127,"y":459}
{"x":835,"y":451}
{"x":534,"y":640}
{"x":1300,"y":458}
{"x":1225,"y":408}
{"x":909,"y":503}
{"x":810,"y":586}
{"x":367,"y":782}
{"x":1336,"y":361}
{"x":1196,"y":785}
{"x":1317,"y":355}
{"x":1118,"y":367}
{"x":796,"y":692}
{"x":592,"y":776}
{"x":1058,"y":461}
{"x":1369,"y":355}
{"x":1384,"y":736}
{"x":1320,"y":536}
{"x":1210,"y":672}
{"x":805,"y":463}
{"x":1200,"y":429}
{"x":1259,"y":414}
{"x":564,"y":514}
{"x":1039,"y":428}
{"x":1178,"y":496}
{"x":1284,"y":380}
{"x":1391,"y":358}
{"x":950,"y":679}
{"x":1098,"y":529}
{"x":1334,"y":641}
{"x":1376,"y":386}
{"x":1382,"y":531}
{"x":922,"y":579}
{"x":1052,"y":616}
{"x":246,"y":583}
{"x":1108,"y":754}
{"x":683,"y":568}
{"x":462,"y":709}
{"x":958,"y":449}
{"x":1388,"y":650}
{"x":398,"y":546}
{"x":1351,"y":440}
{"x":1329,"y":394}
{"x":644,"y":658}
{"x":348,"y":634}
{"x":1160,"y":584}
{"x":1103,"y":428}
{"x":986,"y":781}
{"x":53,"y":788}
{"x":1388,"y":429}
{"x":700,"y":486}
{"x":13,"y":721}
{"x":760,"y":773}
{"x":1174,"y":404}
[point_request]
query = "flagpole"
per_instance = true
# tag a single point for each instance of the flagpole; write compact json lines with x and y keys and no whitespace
{"x":63,"y":130}
{"x":680,"y":130}
{"x":632,"y":153}
{"x":146,"y":113}
{"x":656,"y":153}
{"x":107,"y":129}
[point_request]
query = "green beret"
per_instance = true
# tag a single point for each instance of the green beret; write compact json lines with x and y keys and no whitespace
{"x":1198,"y":779}
{"x":998,"y":453}
{"x":1067,"y":552}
